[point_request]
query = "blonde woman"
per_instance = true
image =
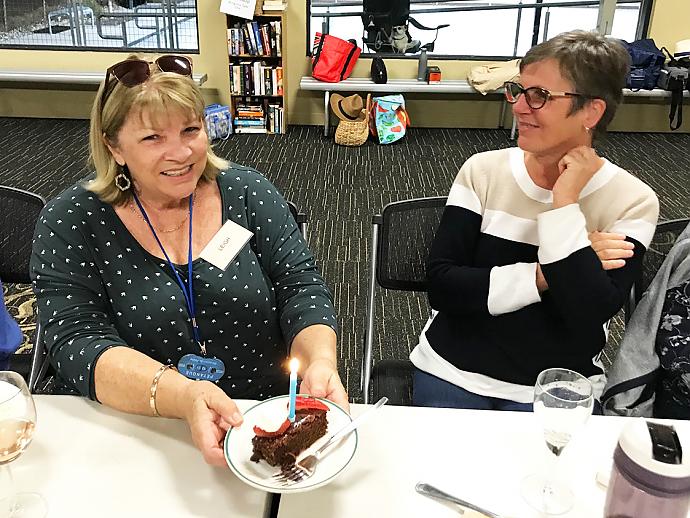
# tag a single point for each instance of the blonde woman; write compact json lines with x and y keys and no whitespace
{"x":135,"y":316}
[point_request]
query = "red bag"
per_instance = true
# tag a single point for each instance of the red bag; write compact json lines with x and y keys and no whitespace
{"x":333,"y":59}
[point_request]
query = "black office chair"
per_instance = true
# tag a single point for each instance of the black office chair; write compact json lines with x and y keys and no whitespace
{"x":20,"y":211}
{"x":386,"y":27}
{"x":665,"y":236}
{"x":43,"y":379}
{"x":300,"y":219}
{"x":401,"y":238}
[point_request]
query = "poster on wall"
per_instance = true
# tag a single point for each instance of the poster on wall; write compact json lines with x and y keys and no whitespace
{"x":241,"y":8}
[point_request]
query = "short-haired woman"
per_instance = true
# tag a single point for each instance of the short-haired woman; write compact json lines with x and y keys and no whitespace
{"x":146,"y":268}
{"x":538,"y":245}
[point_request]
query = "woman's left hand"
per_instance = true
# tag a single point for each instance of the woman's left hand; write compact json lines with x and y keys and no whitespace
{"x":321,"y":379}
{"x":577,"y":167}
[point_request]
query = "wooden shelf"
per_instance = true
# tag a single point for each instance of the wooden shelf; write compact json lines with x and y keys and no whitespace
{"x":274,"y":106}
{"x":251,"y":56}
{"x":257,"y":95}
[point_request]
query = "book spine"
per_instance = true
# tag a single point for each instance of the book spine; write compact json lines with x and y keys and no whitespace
{"x":279,"y":80}
{"x":265,"y":31}
{"x":257,"y":39}
{"x":249,"y":36}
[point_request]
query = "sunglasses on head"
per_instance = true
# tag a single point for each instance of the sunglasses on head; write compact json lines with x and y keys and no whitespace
{"x":535,"y":96}
{"x":133,"y":72}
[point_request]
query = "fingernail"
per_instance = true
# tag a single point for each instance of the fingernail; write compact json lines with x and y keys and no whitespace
{"x":237,"y":418}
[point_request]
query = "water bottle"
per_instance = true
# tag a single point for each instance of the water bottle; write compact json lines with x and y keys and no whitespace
{"x":650,"y":477}
{"x":421,"y":69}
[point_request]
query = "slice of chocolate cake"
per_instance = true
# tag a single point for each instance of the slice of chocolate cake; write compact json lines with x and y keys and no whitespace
{"x":282,"y":447}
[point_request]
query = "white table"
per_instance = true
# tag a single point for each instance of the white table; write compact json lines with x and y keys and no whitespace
{"x":480,"y":456}
{"x":90,"y":461}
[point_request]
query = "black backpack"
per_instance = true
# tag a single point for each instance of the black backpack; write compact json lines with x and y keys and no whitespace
{"x":646,"y":61}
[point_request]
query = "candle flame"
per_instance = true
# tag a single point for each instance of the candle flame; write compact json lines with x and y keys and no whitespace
{"x":294,"y":365}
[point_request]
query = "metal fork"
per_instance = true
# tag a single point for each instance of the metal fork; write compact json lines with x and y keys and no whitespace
{"x":305,"y":468}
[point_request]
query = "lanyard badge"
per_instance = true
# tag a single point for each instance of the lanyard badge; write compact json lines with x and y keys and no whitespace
{"x":192,"y":366}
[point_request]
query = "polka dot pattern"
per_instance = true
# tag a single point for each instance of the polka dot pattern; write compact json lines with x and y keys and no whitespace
{"x":97,"y":287}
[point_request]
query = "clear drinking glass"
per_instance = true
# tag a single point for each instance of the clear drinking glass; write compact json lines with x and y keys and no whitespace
{"x":563,"y":402}
{"x":17,"y":423}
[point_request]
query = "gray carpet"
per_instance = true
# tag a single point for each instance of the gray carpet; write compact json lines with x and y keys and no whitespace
{"x":340,"y":189}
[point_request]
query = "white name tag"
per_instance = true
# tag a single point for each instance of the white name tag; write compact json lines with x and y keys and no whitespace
{"x":226,"y":244}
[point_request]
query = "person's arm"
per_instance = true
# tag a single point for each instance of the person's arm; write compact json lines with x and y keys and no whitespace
{"x":87,"y":351}
{"x":454,"y":284}
{"x":304,"y":302}
{"x":123,"y":380}
{"x":584,"y":292}
{"x":315,"y":348}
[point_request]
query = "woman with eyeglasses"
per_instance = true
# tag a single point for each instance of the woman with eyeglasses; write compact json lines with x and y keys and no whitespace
{"x":538,"y":245}
{"x":176,"y":281}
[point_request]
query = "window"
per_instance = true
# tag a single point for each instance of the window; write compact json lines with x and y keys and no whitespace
{"x":479,"y":29}
{"x":99,"y":24}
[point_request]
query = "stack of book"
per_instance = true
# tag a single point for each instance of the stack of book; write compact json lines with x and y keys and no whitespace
{"x":250,"y":118}
{"x":256,"y":78}
{"x":259,"y":118}
{"x":274,"y":5}
{"x":254,"y":39}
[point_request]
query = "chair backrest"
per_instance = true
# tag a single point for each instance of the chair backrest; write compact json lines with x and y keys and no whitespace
{"x":18,"y":216}
{"x":300,"y":218}
{"x":664,"y":237}
{"x":401,"y":239}
{"x":407,"y":229}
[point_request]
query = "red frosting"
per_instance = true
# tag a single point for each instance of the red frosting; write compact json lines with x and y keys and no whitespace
{"x":309,"y":403}
{"x":301,"y":403}
{"x":280,"y":431}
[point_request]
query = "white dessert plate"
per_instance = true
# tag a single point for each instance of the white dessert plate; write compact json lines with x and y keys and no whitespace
{"x":269,"y":414}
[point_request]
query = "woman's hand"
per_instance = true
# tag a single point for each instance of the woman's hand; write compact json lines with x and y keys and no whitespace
{"x":542,"y":285}
{"x":209,"y":412}
{"x":612,"y":249}
{"x":321,"y":379}
{"x":577,"y":168}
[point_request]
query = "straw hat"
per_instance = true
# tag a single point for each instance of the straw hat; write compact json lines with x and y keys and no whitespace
{"x":348,"y":108}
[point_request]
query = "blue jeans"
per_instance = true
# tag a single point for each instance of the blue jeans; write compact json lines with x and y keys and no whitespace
{"x":428,"y":390}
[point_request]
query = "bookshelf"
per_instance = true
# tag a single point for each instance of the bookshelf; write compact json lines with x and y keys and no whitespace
{"x":257,"y":72}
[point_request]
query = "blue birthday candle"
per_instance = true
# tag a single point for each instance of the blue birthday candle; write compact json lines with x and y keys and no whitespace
{"x":294,"y":365}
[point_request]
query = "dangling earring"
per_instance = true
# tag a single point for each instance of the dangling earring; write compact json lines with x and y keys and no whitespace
{"x":122,"y":181}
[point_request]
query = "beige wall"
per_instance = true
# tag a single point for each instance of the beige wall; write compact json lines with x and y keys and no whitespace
{"x":668,"y":25}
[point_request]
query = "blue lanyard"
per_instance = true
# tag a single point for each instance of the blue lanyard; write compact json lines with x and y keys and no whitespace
{"x":188,"y":290}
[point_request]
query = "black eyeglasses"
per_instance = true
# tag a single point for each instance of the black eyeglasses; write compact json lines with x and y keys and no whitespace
{"x":133,"y":72}
{"x":535,"y":96}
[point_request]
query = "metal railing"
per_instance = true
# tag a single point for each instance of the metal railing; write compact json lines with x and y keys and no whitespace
{"x":169,"y":16}
{"x":643,"y":20}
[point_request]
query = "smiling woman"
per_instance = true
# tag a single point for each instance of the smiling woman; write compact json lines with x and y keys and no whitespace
{"x":552,"y":238}
{"x":129,"y":292}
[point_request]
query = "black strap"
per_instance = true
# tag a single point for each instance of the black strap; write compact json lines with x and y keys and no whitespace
{"x":317,"y":52}
{"x":421,"y":27}
{"x":349,"y":58}
{"x":676,"y":105}
{"x":647,"y":380}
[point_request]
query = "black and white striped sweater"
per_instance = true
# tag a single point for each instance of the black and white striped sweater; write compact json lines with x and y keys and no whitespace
{"x":491,"y":331}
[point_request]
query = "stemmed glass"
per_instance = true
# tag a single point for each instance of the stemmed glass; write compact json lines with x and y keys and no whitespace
{"x":563,"y":402}
{"x":17,"y":423}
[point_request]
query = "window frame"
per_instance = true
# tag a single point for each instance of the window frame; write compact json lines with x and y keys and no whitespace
{"x":641,"y":30}
{"x":138,"y":50}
